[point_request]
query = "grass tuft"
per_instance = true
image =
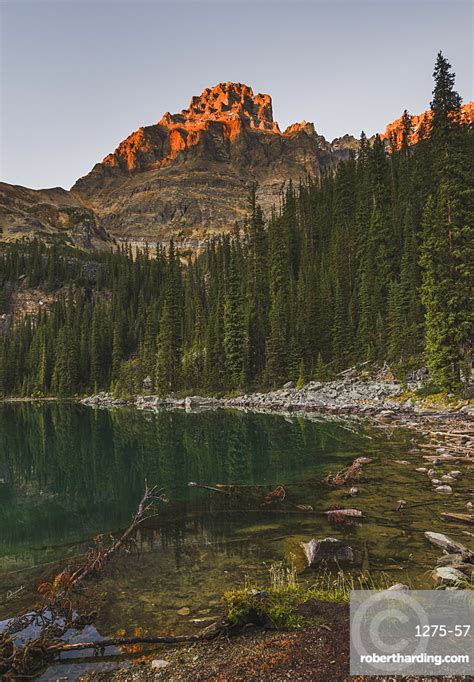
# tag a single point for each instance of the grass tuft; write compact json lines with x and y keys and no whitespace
{"x":276,"y":605}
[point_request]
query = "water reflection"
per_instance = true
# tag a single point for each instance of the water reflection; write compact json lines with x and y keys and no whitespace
{"x":69,"y":472}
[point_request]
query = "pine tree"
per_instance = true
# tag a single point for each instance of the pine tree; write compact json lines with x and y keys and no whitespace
{"x":257,"y":296}
{"x":235,"y":343}
{"x":169,"y":341}
{"x":447,"y":252}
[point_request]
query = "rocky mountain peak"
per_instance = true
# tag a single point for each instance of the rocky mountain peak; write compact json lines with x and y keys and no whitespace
{"x":188,"y":176}
{"x":226,"y":110}
{"x":227,"y":102}
{"x":420,"y":125}
{"x":302,"y":126}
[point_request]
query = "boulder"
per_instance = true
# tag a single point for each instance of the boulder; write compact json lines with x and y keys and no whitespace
{"x":197,"y":400}
{"x":449,"y":546}
{"x":313,"y":386}
{"x":449,"y":560}
{"x":447,"y":574}
{"x":397,"y":587}
{"x":443,"y":489}
{"x":326,"y":551}
{"x":363,"y":460}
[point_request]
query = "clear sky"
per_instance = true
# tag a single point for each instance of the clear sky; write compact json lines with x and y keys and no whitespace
{"x":78,"y":77}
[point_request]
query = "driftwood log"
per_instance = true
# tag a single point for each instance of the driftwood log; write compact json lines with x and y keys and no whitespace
{"x":451,"y":516}
{"x":210,"y":632}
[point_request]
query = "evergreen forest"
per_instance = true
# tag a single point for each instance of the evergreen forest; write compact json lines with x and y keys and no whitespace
{"x":373,"y":262}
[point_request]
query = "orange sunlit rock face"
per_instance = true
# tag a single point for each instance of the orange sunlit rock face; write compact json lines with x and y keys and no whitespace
{"x":189,"y":175}
{"x":303,"y":126}
{"x":394,"y":131}
{"x":225,"y":110}
{"x":223,"y":113}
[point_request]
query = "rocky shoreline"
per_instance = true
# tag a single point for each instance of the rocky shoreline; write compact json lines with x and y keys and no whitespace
{"x":349,"y":395}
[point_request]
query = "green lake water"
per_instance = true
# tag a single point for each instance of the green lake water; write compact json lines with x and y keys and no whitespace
{"x":69,"y":472}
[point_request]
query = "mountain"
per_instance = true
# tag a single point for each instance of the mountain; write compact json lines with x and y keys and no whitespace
{"x":420,"y":125}
{"x":188,"y":175}
{"x":191,"y":172}
{"x":49,"y":213}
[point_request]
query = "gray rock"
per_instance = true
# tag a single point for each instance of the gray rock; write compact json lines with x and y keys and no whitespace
{"x":326,"y":551}
{"x":443,"y":489}
{"x":159,"y":663}
{"x":447,"y":574}
{"x":258,"y":593}
{"x":450,"y":546}
{"x":363,"y":460}
{"x":197,"y":401}
{"x":313,"y":386}
{"x":397,"y":587}
{"x":450,"y":560}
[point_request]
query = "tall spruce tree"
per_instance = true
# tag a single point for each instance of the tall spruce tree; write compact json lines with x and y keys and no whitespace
{"x":447,"y":256}
{"x":169,"y":341}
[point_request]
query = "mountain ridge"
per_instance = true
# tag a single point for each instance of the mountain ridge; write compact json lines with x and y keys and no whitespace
{"x":188,"y":175}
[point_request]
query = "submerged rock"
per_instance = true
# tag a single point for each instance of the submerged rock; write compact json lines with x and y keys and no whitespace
{"x":327,"y":550}
{"x":450,"y":560}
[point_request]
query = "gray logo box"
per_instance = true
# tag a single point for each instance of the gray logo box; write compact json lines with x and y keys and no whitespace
{"x":412,"y":632}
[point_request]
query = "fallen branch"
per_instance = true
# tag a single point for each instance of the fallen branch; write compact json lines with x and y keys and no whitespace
{"x":193,"y":484}
{"x":451,"y":516}
{"x":55,"y":614}
{"x":123,"y":641}
{"x":210,"y":632}
{"x":98,"y":557}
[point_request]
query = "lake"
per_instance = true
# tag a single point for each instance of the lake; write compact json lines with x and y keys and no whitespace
{"x":69,"y":472}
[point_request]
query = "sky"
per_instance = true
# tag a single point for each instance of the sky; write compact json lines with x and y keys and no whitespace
{"x":77,"y":77}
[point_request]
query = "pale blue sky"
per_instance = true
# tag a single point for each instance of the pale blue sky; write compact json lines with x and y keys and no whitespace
{"x":78,"y":77}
